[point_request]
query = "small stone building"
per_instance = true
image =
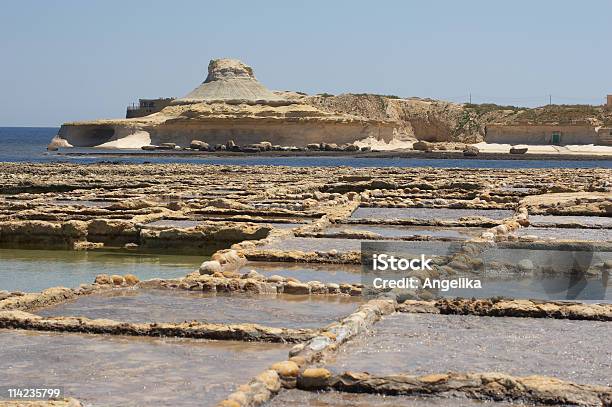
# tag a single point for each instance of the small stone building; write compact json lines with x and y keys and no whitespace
{"x":146,"y":107}
{"x":604,"y":136}
{"x":554,"y":134}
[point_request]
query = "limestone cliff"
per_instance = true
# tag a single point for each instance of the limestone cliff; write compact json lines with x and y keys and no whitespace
{"x":229,"y":105}
{"x":423,"y":119}
{"x":437,"y":120}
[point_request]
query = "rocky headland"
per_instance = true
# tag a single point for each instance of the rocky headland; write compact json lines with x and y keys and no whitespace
{"x":230,"y":105}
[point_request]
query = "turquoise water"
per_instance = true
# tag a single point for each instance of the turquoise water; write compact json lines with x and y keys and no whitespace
{"x":35,"y":270}
{"x":28,"y":144}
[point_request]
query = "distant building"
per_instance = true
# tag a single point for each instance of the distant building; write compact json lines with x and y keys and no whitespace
{"x":555,"y":134}
{"x":146,"y":107}
{"x":604,"y":135}
{"x":559,"y":131}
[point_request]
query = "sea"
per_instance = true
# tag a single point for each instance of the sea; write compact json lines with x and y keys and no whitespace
{"x":29,"y":144}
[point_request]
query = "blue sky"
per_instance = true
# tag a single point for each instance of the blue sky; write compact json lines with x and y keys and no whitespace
{"x":75,"y":60}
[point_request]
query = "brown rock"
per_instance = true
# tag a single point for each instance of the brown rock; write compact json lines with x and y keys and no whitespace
{"x":433,"y":378}
{"x":229,"y":403}
{"x":103,"y":279}
{"x":117,"y":279}
{"x":471,"y":151}
{"x":296,"y":288}
{"x":286,"y":368}
{"x":131,"y":279}
{"x":210,"y":267}
{"x":422,"y":146}
{"x":239,"y":397}
{"x":270,"y":379}
{"x":314,"y":378}
{"x":355,"y":291}
{"x":230,"y":274}
{"x":330,"y":335}
{"x":275,"y":279}
{"x":299,"y":360}
{"x":518,"y":149}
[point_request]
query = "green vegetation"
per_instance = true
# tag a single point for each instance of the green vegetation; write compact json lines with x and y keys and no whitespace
{"x":483,"y":108}
{"x":560,"y":113}
{"x":376,"y":94}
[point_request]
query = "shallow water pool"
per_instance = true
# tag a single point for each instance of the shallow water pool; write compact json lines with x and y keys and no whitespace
{"x":289,"y":311}
{"x":429,"y":213}
{"x":105,"y":371}
{"x":35,"y":270}
{"x":393,"y":231}
{"x":428,"y":343}
{"x":591,"y":290}
{"x":591,"y":235}
{"x":300,"y":398}
{"x":539,"y":220}
{"x":173,"y":223}
{"x":325,"y":273}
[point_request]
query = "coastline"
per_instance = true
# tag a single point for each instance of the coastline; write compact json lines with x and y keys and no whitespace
{"x":376,"y":154}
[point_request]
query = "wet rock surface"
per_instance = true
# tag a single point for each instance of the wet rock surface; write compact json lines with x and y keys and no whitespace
{"x":429,"y":213}
{"x":119,"y":371}
{"x":531,"y":390}
{"x":67,"y":402}
{"x":241,"y":332}
{"x":176,"y":306}
{"x":511,"y":308}
{"x":309,"y":222}
{"x":422,"y":343}
{"x":325,"y":273}
{"x":51,"y":296}
{"x":301,"y":398}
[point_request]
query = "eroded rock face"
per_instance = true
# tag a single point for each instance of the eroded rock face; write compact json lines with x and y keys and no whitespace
{"x":34,"y":233}
{"x":245,"y":332}
{"x":230,"y":105}
{"x":207,"y":238}
{"x":511,"y":308}
{"x":423,"y":119}
{"x":232,"y":81}
{"x":223,"y":69}
{"x":48,"y":297}
{"x":495,"y":386}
